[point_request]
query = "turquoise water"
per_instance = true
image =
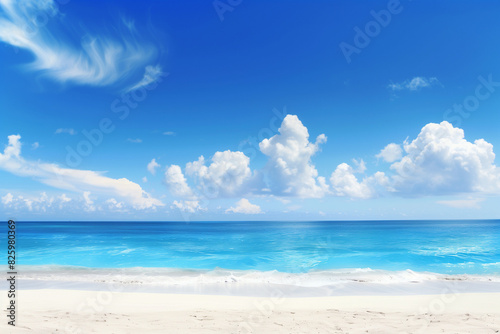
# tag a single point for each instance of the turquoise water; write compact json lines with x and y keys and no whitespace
{"x":447,"y":247}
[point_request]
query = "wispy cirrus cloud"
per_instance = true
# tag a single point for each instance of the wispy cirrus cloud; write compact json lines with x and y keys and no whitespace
{"x":169,"y":133}
{"x":151,"y":75}
{"x":114,"y":57}
{"x":134,"y":140}
{"x":69,"y":131}
{"x":80,"y":181}
{"x":414,"y":84}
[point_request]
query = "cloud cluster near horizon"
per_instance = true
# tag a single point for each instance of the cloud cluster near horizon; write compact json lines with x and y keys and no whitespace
{"x":118,"y":56}
{"x":85,"y":182}
{"x":439,"y":161}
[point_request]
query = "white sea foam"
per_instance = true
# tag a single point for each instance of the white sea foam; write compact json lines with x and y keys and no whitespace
{"x":183,"y":277}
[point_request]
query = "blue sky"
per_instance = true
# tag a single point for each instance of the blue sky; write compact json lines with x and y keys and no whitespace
{"x":164,"y":110}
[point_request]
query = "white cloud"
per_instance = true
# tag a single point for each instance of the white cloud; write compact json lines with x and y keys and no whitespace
{"x":145,"y":179}
{"x":12,"y":150}
{"x":463,"y":203}
{"x":73,"y":179}
{"x":345,"y":183}
{"x":414,"y":84}
{"x":177,"y":183}
{"x":244,"y":206}
{"x":89,"y":204}
{"x":441,"y":161}
{"x":151,"y":75}
{"x":63,"y":199}
{"x":71,"y":132}
{"x":39,"y":203}
{"x":152,"y":165}
{"x":99,"y":59}
{"x":289,"y":168}
{"x":35,"y":145}
{"x":7,"y":199}
{"x":43,"y":202}
{"x":360,"y":165}
{"x":114,"y":204}
{"x":391,"y":153}
{"x":28,"y":202}
{"x":169,"y":133}
{"x":187,"y":206}
{"x":135,"y":141}
{"x":227,"y":175}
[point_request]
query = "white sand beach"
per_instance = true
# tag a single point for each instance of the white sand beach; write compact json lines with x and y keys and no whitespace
{"x":77,"y":311}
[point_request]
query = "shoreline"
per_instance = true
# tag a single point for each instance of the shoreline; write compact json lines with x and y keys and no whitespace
{"x":78,"y":300}
{"x":341,"y":282}
{"x":77,"y":311}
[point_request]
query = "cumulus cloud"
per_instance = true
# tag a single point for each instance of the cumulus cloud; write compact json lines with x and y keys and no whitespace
{"x":73,"y":179}
{"x":244,"y":206}
{"x":391,"y":153}
{"x":414,"y":84}
{"x":441,"y":161}
{"x":95,"y":59}
{"x":290,"y":170}
{"x":152,"y":165}
{"x":43,"y":202}
{"x":227,"y":175}
{"x":177,"y":183}
{"x":89,"y":204}
{"x":345,"y":183}
{"x":360,"y":165}
{"x":187,"y":206}
{"x":63,"y":199}
{"x":7,"y":199}
{"x":113,"y":204}
{"x":40,"y":203}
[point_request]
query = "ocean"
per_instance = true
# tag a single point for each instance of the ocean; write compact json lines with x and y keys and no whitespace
{"x":307,"y":253}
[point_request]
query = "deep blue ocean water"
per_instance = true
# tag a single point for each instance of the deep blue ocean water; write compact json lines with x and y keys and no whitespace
{"x":447,"y":247}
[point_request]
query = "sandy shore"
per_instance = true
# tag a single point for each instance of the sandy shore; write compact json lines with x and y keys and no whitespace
{"x":73,"y":311}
